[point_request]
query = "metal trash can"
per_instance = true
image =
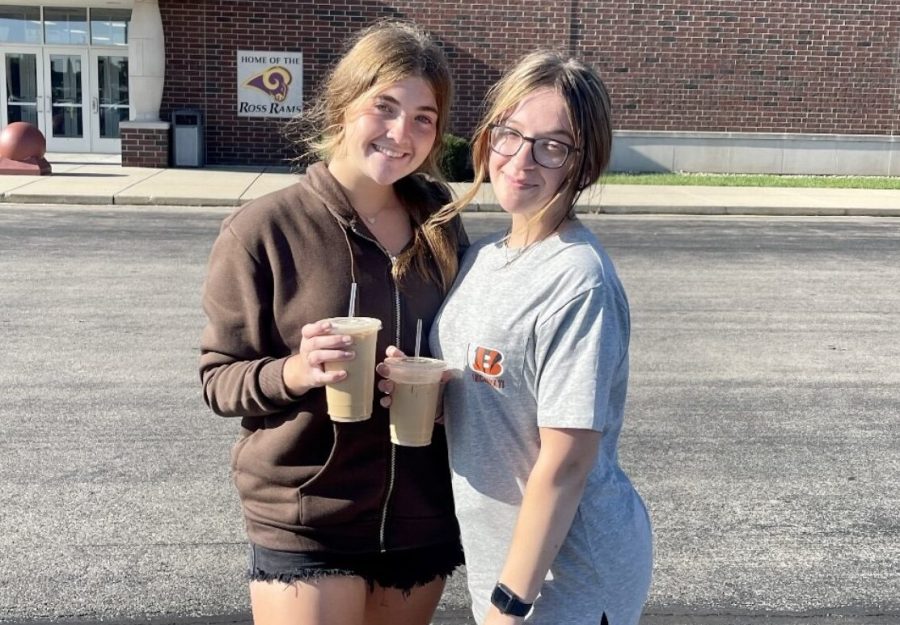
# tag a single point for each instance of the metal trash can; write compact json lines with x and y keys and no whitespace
{"x":188,"y":149}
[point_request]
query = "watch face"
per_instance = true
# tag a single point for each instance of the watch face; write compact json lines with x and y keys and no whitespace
{"x":507,"y":602}
{"x":501,"y":599}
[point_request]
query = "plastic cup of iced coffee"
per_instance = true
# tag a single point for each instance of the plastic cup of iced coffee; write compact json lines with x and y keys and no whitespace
{"x":351,"y":399}
{"x":414,"y":400}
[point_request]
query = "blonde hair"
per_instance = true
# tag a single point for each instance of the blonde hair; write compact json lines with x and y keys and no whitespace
{"x":378,"y":57}
{"x":588,"y":109}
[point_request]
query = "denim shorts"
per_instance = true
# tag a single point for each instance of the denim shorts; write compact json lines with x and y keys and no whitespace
{"x":404,"y":569}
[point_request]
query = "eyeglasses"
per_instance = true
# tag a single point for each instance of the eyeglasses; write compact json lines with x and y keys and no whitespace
{"x":548,"y":153}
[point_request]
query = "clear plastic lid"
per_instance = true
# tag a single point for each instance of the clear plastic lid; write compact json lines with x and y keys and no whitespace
{"x":354,"y":325}
{"x":412,"y":370}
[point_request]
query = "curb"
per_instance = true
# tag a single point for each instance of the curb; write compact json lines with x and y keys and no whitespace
{"x":11,"y":197}
{"x":132,"y":200}
{"x":763,"y":211}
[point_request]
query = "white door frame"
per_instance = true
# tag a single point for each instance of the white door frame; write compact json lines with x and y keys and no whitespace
{"x":39,"y":78}
{"x":67,"y":144}
{"x":100,"y":144}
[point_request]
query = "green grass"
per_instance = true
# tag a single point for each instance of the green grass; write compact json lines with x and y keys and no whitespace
{"x":756,"y":180}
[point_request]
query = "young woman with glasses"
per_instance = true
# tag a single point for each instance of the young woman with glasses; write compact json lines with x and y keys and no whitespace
{"x":537,"y":325}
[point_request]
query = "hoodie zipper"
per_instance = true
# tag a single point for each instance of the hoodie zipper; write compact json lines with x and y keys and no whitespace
{"x":393,"y":473}
{"x":393,"y":467}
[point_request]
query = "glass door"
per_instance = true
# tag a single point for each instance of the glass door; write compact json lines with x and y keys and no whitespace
{"x":65,"y":87}
{"x":21,"y":89}
{"x":109,"y":100}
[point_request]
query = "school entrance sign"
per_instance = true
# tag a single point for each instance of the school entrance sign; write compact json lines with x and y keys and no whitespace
{"x":269,"y":84}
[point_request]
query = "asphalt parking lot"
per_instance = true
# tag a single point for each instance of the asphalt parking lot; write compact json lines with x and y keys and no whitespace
{"x":762,"y":427}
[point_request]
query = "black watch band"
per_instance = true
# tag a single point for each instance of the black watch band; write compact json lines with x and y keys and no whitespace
{"x":508,"y":602}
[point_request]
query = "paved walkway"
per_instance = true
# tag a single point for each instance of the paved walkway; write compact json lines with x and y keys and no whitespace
{"x":100,"y":179}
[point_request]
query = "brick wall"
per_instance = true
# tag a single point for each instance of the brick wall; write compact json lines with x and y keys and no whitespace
{"x":689,"y":65}
{"x":144,"y":147}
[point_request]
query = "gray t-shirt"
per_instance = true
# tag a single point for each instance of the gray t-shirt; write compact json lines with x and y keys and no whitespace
{"x":540,"y":339}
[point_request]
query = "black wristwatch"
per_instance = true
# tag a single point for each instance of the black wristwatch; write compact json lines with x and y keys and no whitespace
{"x":508,"y":602}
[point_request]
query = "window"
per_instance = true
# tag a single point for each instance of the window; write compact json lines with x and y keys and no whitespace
{"x":109,"y":27}
{"x":20,"y":24}
{"x":65,"y":26}
{"x":21,"y":88}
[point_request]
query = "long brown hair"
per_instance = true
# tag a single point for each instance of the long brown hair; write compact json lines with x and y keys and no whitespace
{"x":588,"y":107}
{"x":379,"y":56}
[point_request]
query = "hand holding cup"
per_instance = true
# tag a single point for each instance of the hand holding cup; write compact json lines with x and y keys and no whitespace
{"x":305,"y":370}
{"x":383,"y":369}
{"x":386,"y":385}
{"x":415,"y":393}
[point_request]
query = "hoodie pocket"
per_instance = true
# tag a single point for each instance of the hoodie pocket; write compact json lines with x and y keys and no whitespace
{"x":318,"y":475}
{"x":350,"y":485}
{"x":271,"y":463}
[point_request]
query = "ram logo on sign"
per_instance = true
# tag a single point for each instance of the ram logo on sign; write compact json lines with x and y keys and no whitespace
{"x":269,"y":84}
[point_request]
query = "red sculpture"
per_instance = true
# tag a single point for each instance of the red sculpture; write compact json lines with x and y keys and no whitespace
{"x":22,"y":149}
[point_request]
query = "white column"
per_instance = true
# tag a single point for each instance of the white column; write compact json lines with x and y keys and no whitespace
{"x":146,"y":61}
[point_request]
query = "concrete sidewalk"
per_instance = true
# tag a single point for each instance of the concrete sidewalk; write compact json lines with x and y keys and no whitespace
{"x":99,"y":179}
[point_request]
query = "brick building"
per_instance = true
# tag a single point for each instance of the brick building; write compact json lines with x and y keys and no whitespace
{"x":782,"y":86}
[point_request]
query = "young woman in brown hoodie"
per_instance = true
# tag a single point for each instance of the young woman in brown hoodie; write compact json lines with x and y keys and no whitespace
{"x":344,"y":527}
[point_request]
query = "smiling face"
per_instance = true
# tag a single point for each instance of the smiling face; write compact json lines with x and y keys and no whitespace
{"x":387,"y":135}
{"x":522,"y":186}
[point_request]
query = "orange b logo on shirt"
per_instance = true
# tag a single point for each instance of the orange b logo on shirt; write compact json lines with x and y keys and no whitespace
{"x":487,"y":361}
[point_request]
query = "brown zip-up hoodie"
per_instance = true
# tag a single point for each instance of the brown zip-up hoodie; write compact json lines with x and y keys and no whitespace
{"x":306,"y":483}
